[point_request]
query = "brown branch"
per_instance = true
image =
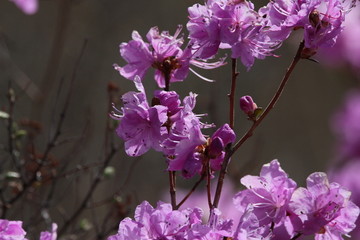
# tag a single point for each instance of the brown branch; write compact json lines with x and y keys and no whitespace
{"x":231,"y":95}
{"x":231,"y":150}
{"x":273,"y":101}
{"x":172,"y":190}
{"x":222,"y":174}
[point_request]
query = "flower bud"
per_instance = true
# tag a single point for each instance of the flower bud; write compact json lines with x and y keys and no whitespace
{"x":247,"y":105}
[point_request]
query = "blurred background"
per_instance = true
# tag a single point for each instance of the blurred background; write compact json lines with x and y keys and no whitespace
{"x":57,"y":66}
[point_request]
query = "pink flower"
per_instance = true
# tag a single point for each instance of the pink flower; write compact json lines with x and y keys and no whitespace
{"x":324,"y":208}
{"x":230,"y":24}
{"x":162,"y":52}
{"x":268,"y":195}
{"x":165,"y":223}
{"x":348,"y":176}
{"x":141,"y":126}
{"x":322,"y":21}
{"x":11,"y":230}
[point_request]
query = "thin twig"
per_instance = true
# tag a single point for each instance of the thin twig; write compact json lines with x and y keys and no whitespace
{"x":208,"y":184}
{"x":222,"y":174}
{"x":120,"y":191}
{"x":231,"y":95}
{"x":52,"y":142}
{"x":79,"y":168}
{"x":92,"y":188}
{"x":231,"y":150}
{"x":191,"y":191}
{"x":172,"y":188}
{"x":274,"y":100}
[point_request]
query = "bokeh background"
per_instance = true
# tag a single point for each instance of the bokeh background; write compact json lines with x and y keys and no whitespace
{"x":39,"y":52}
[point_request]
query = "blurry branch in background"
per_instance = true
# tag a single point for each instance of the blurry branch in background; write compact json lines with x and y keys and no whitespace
{"x":48,"y":81}
{"x":109,"y":151}
{"x":33,"y":179}
{"x":53,"y":135}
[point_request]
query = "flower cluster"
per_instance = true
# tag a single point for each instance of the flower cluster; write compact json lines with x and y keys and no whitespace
{"x":283,"y":211}
{"x":322,"y":21}
{"x":272,"y":207}
{"x":235,"y":25}
{"x":171,"y":128}
{"x":230,"y":24}
{"x":163,"y":222}
{"x":256,"y":34}
{"x":12,"y":230}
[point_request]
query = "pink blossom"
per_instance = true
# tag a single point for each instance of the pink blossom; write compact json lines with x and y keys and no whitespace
{"x":11,"y":230}
{"x":322,"y":21}
{"x":267,"y":195}
{"x":324,"y":208}
{"x":163,"y":53}
{"x":141,"y":126}
{"x":165,"y":223}
{"x":230,"y":24}
{"x":348,"y":176}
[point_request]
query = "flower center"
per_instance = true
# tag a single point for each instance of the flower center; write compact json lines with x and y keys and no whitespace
{"x":167,"y":65}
